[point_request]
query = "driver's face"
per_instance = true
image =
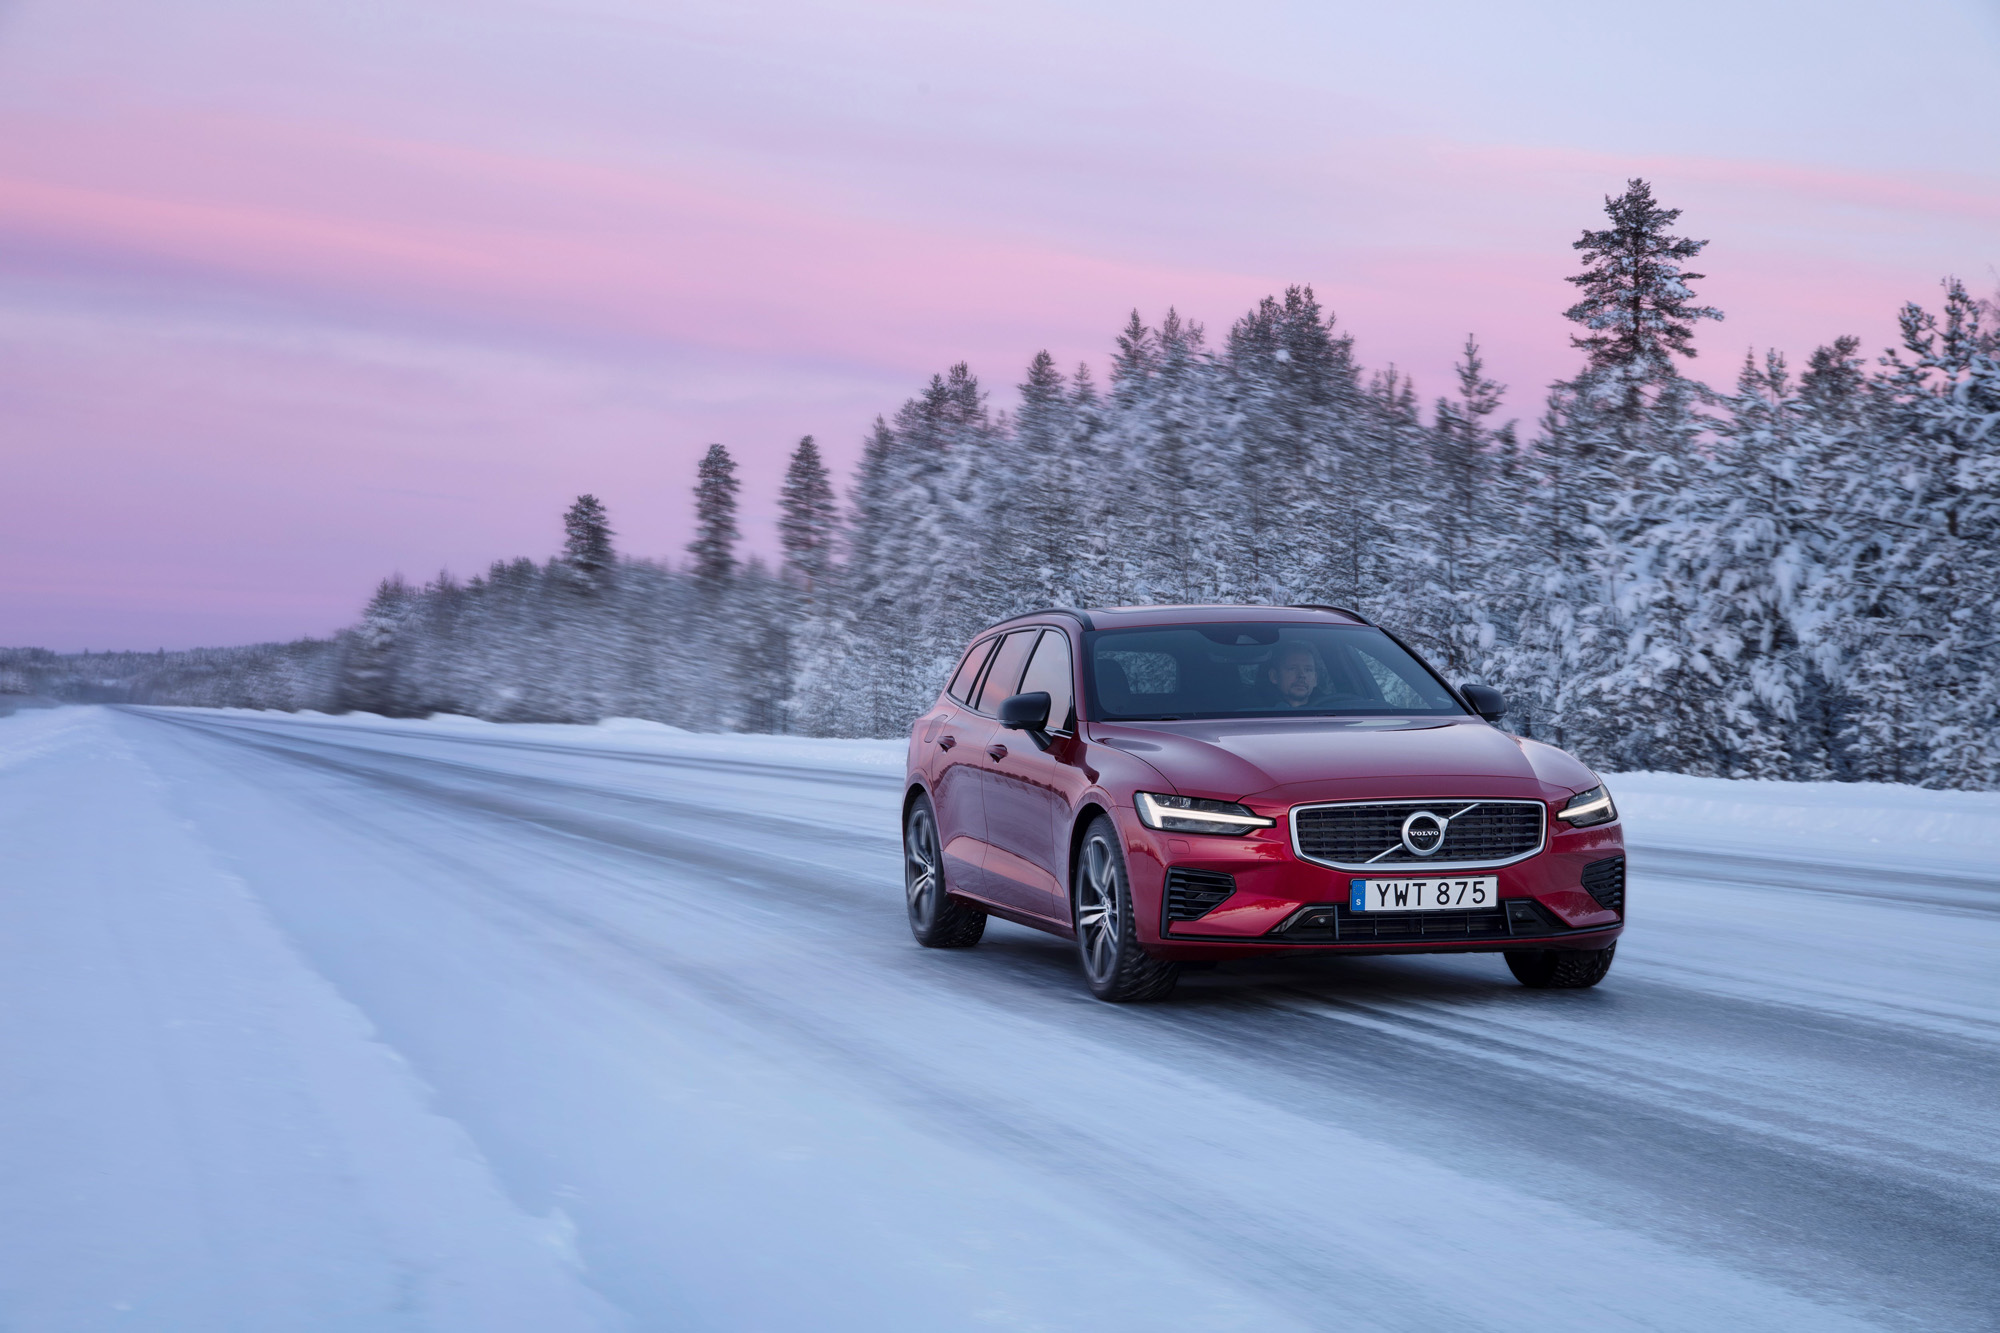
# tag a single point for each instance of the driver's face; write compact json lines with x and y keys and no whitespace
{"x":1295,"y":677}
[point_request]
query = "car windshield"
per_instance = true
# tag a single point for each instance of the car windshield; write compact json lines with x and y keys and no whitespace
{"x":1253,"y":670}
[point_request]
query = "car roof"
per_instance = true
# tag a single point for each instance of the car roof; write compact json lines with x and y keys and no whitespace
{"x":1141,"y":617}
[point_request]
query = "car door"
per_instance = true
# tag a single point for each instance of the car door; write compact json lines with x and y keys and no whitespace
{"x":986,"y":747}
{"x":957,"y":738}
{"x":1030,"y":792}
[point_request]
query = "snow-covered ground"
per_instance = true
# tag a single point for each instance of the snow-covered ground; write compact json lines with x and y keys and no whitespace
{"x":345,"y":1023}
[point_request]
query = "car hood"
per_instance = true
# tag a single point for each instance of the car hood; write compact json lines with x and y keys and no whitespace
{"x":1315,"y":758}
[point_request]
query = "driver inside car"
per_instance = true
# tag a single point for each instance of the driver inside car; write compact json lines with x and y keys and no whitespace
{"x":1293,"y":675}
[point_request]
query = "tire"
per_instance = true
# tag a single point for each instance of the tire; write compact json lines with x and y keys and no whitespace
{"x":1560,"y":969}
{"x":1107,"y":932}
{"x":937,"y":919}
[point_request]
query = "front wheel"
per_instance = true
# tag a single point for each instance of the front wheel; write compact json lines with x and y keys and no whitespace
{"x":1560,"y":969}
{"x":1107,"y":935}
{"x":938,"y":920}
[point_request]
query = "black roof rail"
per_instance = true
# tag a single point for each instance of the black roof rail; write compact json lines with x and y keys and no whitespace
{"x":1320,"y":606}
{"x":1081,"y":617}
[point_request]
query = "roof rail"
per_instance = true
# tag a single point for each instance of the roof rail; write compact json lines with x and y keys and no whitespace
{"x":1081,"y":617}
{"x":1320,"y":606}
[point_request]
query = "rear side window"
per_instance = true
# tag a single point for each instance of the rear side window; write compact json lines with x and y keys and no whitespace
{"x":968,"y":671}
{"x":1004,"y":677}
{"x":1049,"y":670}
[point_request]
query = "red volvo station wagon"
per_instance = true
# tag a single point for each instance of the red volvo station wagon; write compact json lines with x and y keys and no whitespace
{"x":1173,"y":784}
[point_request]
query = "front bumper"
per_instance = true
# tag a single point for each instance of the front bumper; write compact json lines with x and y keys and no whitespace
{"x":1281,"y":904}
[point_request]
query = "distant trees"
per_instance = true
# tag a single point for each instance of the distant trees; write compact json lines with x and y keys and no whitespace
{"x":1797,"y":578}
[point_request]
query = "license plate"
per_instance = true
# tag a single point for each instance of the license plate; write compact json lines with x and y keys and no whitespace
{"x":1423,"y":895}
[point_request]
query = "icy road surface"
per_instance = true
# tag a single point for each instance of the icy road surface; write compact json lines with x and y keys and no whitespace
{"x":343,"y":1023}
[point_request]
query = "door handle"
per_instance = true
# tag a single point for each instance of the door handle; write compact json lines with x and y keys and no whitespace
{"x":946,"y":741}
{"x":997,"y":751}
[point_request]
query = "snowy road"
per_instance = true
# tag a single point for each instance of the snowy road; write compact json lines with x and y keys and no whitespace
{"x":316,"y":1023}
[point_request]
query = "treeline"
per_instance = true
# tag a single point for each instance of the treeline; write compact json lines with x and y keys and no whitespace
{"x":1798,"y":579}
{"x":304,"y":674}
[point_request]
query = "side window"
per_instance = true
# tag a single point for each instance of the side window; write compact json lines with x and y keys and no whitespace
{"x":968,"y":671}
{"x":1049,"y":670}
{"x":1004,"y":677}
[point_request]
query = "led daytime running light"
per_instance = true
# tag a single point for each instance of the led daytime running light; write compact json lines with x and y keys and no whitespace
{"x":1188,"y":814}
{"x":1589,"y":807}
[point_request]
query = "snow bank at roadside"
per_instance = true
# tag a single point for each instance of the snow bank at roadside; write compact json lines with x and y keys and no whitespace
{"x":1873,"y":823}
{"x":626,"y":734}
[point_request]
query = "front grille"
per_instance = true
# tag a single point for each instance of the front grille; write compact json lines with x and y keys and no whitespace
{"x":1336,"y":922}
{"x":1193,"y":894}
{"x":1368,"y":835}
{"x":1605,"y":881}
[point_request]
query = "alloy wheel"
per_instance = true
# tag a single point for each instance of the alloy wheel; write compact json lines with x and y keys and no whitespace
{"x":920,"y":866}
{"x":1097,"y":920}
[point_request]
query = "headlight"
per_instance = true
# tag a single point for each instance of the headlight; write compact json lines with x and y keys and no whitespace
{"x":1589,"y":807}
{"x":1188,"y":814}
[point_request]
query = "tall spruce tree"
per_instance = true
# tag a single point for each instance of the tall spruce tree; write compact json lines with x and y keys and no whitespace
{"x":1038,"y":548}
{"x":587,"y":541}
{"x":807,"y":519}
{"x":1622,"y":437}
{"x":1465,"y":592}
{"x":1636,"y":301}
{"x":716,"y":533}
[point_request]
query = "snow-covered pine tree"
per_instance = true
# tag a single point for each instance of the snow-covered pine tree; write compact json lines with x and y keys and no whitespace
{"x":1636,"y":301}
{"x":1469,"y":592}
{"x":1738,"y":540}
{"x":763,"y":607}
{"x":1398,"y":556}
{"x":714,"y":630}
{"x":951,"y":440}
{"x":1034,"y":524}
{"x":1124,"y":479}
{"x":915,"y":585}
{"x":1929,"y":584}
{"x":1829,"y":422}
{"x":716,"y":533}
{"x":839,"y":689}
{"x":369,"y":659}
{"x":587,"y":542}
{"x":1621,"y":437}
{"x":790,"y":608}
{"x":1288,"y":453}
{"x":1176,"y":529}
{"x":1097,"y":484}
{"x":807,"y":521}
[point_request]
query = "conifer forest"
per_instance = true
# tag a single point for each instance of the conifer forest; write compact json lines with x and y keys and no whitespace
{"x":1798,"y":578}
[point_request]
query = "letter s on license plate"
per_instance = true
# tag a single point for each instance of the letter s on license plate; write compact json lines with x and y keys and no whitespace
{"x":1424,"y":895}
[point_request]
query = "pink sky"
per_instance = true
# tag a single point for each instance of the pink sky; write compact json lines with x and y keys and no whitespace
{"x":292,"y":297}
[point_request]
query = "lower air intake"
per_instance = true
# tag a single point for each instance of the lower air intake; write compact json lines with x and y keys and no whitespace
{"x":1193,"y":894}
{"x":1605,"y":881}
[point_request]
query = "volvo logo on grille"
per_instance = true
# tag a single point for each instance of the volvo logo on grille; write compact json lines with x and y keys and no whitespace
{"x":1423,"y":833}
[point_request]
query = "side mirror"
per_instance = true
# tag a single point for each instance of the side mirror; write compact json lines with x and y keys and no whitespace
{"x":1486,"y":701}
{"x":1030,"y":713}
